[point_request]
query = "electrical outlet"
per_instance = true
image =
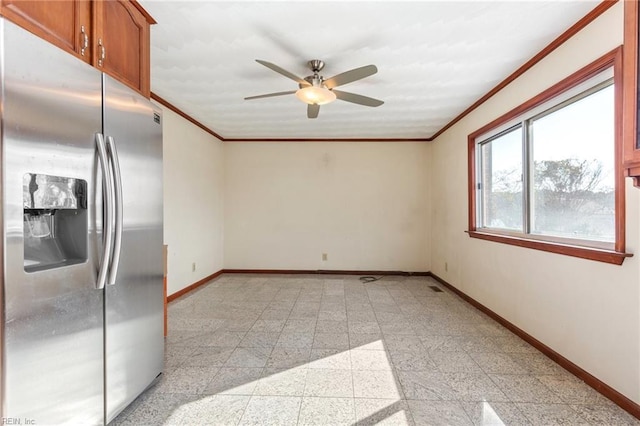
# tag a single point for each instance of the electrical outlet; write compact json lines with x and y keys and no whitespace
{"x":193,"y":267}
{"x":324,"y":257}
{"x":446,"y":266}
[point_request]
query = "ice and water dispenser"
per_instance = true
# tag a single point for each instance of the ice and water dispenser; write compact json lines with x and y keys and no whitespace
{"x":55,"y":221}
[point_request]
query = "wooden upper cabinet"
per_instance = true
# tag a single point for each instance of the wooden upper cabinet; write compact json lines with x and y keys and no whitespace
{"x":111,"y":35}
{"x":67,"y":24}
{"x":121,"y":42}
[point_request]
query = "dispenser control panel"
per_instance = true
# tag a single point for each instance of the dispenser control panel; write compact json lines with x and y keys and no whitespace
{"x":55,"y":221}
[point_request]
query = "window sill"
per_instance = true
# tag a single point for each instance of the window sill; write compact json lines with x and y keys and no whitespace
{"x":599,"y":255}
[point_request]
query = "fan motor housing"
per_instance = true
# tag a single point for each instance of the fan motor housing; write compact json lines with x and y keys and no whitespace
{"x":314,"y":80}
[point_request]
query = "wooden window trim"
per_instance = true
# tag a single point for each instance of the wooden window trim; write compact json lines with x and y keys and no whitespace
{"x":615,"y":256}
{"x":600,"y":255}
{"x":630,"y":53}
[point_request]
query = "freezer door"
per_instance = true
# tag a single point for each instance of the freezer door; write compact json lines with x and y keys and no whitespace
{"x":134,"y":302}
{"x":52,"y":313}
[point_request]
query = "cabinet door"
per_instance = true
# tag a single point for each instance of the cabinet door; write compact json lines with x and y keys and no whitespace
{"x":121,"y":40}
{"x":63,"y":23}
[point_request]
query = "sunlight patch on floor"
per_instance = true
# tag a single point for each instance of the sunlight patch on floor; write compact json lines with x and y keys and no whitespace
{"x":489,"y":416}
{"x":355,"y":386}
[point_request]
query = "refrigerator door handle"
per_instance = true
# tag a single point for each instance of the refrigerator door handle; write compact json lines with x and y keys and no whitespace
{"x":107,"y":226}
{"x":117,"y":180}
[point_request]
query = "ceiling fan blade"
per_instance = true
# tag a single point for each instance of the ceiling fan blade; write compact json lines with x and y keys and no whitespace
{"x":284,"y":72}
{"x":357,"y":99}
{"x":351,"y":75}
{"x":268,"y":95}
{"x":313,"y":110}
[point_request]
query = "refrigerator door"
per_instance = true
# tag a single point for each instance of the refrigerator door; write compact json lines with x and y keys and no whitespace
{"x":134,"y":340}
{"x":52,"y":313}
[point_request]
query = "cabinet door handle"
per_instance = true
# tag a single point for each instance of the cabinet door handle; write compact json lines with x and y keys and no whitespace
{"x":85,"y":40}
{"x":103,"y":52}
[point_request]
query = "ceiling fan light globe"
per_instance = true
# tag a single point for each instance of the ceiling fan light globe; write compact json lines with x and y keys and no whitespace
{"x":313,"y":95}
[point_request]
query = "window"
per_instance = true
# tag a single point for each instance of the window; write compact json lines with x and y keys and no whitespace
{"x":546,"y":175}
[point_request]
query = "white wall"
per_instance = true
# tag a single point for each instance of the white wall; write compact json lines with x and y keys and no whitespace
{"x":587,"y":311}
{"x":193,"y":201}
{"x":362,"y":203}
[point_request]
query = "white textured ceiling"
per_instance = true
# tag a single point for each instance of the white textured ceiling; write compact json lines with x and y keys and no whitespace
{"x":434,"y":59}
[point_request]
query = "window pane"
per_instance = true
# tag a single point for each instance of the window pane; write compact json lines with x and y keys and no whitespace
{"x":501,"y":178}
{"x":573,"y":175}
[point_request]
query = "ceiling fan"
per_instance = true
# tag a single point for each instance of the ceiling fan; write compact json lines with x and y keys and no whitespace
{"x":314,"y":90}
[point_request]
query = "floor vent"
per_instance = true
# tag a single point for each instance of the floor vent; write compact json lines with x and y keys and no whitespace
{"x":435,"y":288}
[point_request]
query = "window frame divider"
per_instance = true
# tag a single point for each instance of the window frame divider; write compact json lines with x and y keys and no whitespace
{"x":526,"y":176}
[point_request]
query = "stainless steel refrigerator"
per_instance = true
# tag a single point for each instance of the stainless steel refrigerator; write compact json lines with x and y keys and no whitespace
{"x":81,"y":297}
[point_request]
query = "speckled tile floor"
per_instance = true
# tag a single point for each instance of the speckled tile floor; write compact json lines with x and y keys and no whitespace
{"x":331,"y":350}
